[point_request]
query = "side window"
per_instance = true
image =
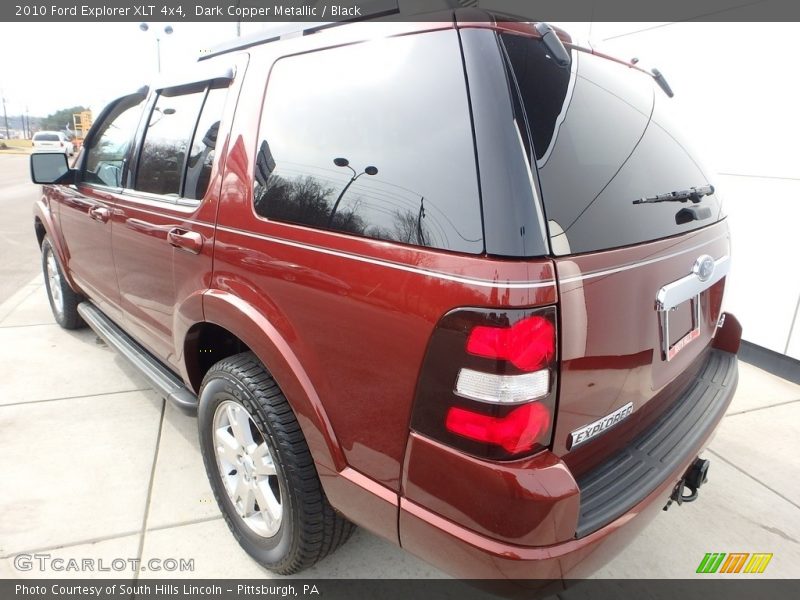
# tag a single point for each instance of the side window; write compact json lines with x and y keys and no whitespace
{"x":105,"y":158}
{"x":375,"y":140}
{"x":166,"y":143}
{"x":203,"y":149}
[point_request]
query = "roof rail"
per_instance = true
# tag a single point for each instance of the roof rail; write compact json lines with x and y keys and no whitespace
{"x":377,"y":9}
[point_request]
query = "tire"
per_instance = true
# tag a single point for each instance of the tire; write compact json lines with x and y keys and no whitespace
{"x":63,"y":300}
{"x":270,"y":456}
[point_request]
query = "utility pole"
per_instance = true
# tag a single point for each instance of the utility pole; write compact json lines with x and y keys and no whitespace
{"x":5,"y":116}
{"x":27,"y":123}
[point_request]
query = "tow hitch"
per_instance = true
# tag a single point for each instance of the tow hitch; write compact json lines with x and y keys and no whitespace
{"x":696,"y":475}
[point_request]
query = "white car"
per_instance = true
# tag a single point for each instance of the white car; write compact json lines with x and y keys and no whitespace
{"x":52,"y":141}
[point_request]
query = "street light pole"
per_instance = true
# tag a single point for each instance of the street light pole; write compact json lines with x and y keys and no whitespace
{"x":238,"y":21}
{"x":167,"y":30}
{"x":343,"y":162}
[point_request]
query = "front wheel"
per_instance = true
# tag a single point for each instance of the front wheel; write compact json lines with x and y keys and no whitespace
{"x":63,"y":300}
{"x":261,"y":470}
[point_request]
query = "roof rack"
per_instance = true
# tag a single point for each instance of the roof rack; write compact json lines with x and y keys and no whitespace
{"x":377,"y":9}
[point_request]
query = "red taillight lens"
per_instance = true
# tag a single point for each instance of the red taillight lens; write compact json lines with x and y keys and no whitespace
{"x":489,"y":380}
{"x":516,"y":432}
{"x":529,"y":344}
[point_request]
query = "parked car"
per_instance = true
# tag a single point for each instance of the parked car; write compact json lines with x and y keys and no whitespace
{"x":52,"y":141}
{"x":458,"y":283}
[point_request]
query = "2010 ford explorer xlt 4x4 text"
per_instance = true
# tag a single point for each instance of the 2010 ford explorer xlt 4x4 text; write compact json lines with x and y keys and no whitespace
{"x":458,"y":283}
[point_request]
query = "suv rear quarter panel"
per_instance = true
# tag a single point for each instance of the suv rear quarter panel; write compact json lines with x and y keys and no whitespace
{"x":356,"y":313}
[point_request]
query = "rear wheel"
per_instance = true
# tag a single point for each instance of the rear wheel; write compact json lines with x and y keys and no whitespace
{"x":261,"y":470}
{"x":63,"y":300}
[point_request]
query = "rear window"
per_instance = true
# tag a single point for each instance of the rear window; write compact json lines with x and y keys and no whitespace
{"x":373,"y":140}
{"x":46,"y":137}
{"x":598,"y":135}
{"x":180,"y":143}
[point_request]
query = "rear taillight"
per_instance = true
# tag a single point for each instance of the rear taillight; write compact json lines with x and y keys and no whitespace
{"x":488,"y":382}
{"x":516,"y":432}
{"x":528,"y":344}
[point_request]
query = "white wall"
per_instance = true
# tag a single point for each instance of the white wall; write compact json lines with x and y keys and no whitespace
{"x":737,"y":91}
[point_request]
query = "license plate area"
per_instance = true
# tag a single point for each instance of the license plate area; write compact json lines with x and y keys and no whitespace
{"x":682,"y":298}
{"x":679,"y":326}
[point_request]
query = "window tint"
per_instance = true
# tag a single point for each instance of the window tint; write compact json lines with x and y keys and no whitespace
{"x":166,"y":143}
{"x":105,"y":158}
{"x":601,"y":141}
{"x":201,"y":155}
{"x":373,"y":139}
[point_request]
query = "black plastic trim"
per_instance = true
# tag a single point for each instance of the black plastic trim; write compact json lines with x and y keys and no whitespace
{"x":512,"y":225}
{"x":778,"y":364}
{"x":628,"y":477}
{"x":159,"y":376}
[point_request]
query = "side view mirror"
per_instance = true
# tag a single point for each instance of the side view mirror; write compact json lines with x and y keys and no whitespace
{"x":49,"y":168}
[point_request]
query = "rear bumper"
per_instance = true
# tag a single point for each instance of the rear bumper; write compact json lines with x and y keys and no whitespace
{"x":628,"y":477}
{"x":616,"y":500}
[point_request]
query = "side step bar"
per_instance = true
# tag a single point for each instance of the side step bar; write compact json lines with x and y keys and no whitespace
{"x":161,"y":378}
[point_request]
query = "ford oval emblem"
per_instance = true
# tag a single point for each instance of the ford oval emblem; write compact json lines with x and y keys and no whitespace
{"x":704,"y":267}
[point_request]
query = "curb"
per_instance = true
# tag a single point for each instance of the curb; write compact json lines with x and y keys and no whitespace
{"x":9,"y":305}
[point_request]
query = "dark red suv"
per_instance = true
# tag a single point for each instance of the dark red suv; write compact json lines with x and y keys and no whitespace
{"x":457,"y":282}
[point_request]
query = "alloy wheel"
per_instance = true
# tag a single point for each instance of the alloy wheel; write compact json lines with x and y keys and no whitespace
{"x":247,"y":469}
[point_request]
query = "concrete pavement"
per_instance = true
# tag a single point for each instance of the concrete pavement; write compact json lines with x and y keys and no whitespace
{"x":93,"y":464}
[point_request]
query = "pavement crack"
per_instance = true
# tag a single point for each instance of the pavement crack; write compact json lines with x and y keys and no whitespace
{"x":778,"y":532}
{"x":758,"y":481}
{"x":80,"y":397}
{"x":94,"y":540}
{"x":186,"y":523}
{"x":749,"y":410}
{"x":150,"y":486}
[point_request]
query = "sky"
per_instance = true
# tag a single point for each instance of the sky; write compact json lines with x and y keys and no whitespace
{"x":49,"y":66}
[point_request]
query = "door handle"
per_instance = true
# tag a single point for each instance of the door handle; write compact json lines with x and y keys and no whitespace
{"x":189,"y":241}
{"x":100,"y":213}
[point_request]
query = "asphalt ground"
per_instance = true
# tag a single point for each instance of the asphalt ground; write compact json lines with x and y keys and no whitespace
{"x":18,"y":248}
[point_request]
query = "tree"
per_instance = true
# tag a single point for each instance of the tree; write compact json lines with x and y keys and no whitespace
{"x":59,"y":120}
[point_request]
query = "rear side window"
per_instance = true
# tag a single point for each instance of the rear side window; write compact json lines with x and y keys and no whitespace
{"x":179,"y":143}
{"x":203,"y":148}
{"x":166,"y":143}
{"x":599,"y":138}
{"x":375,"y":140}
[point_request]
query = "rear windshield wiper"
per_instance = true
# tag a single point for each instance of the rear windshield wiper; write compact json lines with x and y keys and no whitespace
{"x":694,"y":194}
